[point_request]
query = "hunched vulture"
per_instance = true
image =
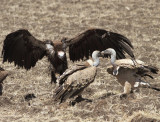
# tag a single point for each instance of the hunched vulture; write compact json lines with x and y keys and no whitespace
{"x":128,"y":74}
{"x":76,"y":78}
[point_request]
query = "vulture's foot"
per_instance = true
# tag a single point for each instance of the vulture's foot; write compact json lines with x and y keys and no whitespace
{"x":123,"y":96}
{"x":53,"y":77}
{"x":53,"y":80}
{"x":79,"y":99}
{"x":128,"y":96}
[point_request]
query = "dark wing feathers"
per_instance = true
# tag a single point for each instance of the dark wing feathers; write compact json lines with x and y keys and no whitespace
{"x":152,"y":69}
{"x":23,"y":49}
{"x":98,"y":39}
{"x":147,"y":70}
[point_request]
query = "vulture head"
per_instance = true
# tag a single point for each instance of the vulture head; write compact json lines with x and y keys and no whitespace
{"x":58,"y":47}
{"x":50,"y":47}
{"x":64,"y":41}
{"x":112,"y":52}
{"x":108,"y":51}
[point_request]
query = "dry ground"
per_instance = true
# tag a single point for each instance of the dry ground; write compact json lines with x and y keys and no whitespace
{"x":53,"y":19}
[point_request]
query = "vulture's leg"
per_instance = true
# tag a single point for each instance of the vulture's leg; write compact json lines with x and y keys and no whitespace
{"x":79,"y":99}
{"x":53,"y":77}
{"x":127,"y":90}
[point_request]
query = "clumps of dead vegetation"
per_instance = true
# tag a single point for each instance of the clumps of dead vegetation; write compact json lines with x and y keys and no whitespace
{"x":142,"y":116}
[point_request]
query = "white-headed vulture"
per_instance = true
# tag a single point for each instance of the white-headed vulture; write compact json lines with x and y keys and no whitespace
{"x":128,"y":73}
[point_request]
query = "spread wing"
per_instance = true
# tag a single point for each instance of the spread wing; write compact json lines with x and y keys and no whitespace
{"x":23,"y":49}
{"x":98,"y":39}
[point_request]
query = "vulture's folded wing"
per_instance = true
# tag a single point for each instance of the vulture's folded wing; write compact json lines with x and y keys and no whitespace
{"x":68,"y":72}
{"x":75,"y":84}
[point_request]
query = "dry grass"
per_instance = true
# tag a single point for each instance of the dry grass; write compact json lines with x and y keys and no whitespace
{"x":46,"y":19}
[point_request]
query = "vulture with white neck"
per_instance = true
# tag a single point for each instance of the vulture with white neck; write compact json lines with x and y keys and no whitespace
{"x":75,"y":79}
{"x":128,"y":73}
{"x":3,"y":75}
{"x":22,"y":48}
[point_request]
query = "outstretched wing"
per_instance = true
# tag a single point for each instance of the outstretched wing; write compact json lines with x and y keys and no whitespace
{"x":98,"y":39}
{"x":23,"y":49}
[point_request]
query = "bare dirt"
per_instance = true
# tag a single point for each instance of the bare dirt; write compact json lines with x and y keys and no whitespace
{"x":53,"y":19}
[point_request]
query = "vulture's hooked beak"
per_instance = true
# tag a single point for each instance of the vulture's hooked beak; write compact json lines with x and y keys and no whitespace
{"x":100,"y":55}
{"x":105,"y":52}
{"x":65,"y":42}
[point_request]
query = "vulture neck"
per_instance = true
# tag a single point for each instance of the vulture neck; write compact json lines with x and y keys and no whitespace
{"x":50,"y":49}
{"x":95,"y":59}
{"x":113,"y":58}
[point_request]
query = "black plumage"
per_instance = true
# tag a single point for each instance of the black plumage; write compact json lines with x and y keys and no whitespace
{"x":98,"y":39}
{"x":22,"y":48}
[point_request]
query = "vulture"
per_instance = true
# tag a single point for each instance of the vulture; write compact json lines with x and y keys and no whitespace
{"x":76,"y":78}
{"x":3,"y":75}
{"x":22,"y":48}
{"x":128,"y":74}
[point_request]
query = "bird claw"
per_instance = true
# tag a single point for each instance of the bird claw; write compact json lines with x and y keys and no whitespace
{"x":123,"y":96}
{"x":79,"y":99}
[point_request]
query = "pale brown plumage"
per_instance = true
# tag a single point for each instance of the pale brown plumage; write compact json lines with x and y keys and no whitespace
{"x":129,"y":74}
{"x":75,"y":79}
{"x":75,"y":83}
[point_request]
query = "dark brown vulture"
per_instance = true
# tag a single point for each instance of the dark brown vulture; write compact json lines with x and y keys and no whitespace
{"x":25,"y":50}
{"x":3,"y":75}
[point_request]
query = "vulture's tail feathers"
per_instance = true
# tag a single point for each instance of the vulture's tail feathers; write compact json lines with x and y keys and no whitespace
{"x":152,"y":69}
